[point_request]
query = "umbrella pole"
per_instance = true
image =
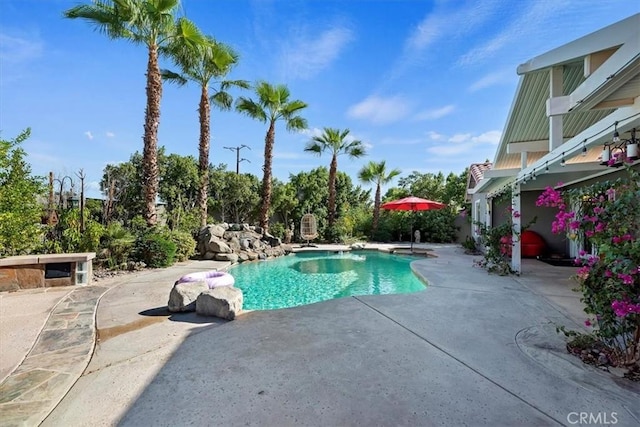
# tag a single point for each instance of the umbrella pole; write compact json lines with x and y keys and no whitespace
{"x":411,"y":235}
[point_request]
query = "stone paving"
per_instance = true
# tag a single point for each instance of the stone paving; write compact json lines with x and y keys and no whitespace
{"x":56,"y":360}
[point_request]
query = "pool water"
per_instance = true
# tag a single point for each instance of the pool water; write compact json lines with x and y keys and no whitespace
{"x":309,"y":277}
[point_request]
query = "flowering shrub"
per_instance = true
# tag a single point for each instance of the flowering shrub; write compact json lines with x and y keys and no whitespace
{"x":607,"y":217}
{"x":498,"y":242}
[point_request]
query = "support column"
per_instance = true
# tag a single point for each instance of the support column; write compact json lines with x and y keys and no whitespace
{"x":516,"y":253}
{"x":555,"y":122}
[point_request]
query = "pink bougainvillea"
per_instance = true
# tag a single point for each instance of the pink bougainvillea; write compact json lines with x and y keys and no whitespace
{"x":606,"y":219}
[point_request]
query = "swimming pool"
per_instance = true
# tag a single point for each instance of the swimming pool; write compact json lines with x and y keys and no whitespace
{"x":309,"y":277}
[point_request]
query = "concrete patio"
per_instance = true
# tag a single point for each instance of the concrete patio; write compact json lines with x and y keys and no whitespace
{"x":472,"y":349}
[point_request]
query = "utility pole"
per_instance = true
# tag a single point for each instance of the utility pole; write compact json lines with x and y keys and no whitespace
{"x":238,"y":159}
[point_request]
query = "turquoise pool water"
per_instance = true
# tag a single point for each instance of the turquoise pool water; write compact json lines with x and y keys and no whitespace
{"x":310,"y":277}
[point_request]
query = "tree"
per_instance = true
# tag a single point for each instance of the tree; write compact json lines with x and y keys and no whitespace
{"x":202,"y":64}
{"x":376,"y":173}
{"x":122,"y":184}
{"x":179,"y":186}
{"x":335,"y":141}
{"x":425,"y":185}
{"x":154,"y":24}
{"x":20,"y":211}
{"x":455,"y":189}
{"x":241,"y":196}
{"x":234,"y":197}
{"x":284,"y":201}
{"x":272,"y":104}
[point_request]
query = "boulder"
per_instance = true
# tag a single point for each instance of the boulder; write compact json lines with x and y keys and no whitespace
{"x":224,"y":302}
{"x":256,"y":245}
{"x":216,"y":230}
{"x":271,"y":240}
{"x":244,"y":244}
{"x":183,"y":296}
{"x":209,"y":255}
{"x":218,"y":246}
{"x":230,"y":257}
{"x":234,"y":244}
{"x":252,"y":256}
{"x":357,"y":245}
{"x":243,"y":256}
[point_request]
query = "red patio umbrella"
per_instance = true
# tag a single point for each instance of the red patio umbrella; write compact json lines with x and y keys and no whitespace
{"x":412,"y":204}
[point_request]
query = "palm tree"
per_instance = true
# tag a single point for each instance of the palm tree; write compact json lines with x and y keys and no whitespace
{"x":202,"y":64}
{"x":153,"y":23}
{"x":272,"y":105}
{"x":335,"y":140}
{"x":377,"y":172}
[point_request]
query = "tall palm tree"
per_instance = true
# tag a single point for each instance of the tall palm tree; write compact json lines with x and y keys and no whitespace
{"x":336,"y":142}
{"x":203,"y":64}
{"x":376,"y":172}
{"x":273,"y":104}
{"x":154,"y":24}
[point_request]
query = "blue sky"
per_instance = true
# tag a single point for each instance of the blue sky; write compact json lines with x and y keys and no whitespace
{"x":426,"y":85}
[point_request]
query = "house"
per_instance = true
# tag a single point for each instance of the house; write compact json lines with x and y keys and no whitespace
{"x":569,"y":103}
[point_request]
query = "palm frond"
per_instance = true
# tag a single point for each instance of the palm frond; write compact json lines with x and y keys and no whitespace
{"x":293,"y":107}
{"x":355,"y":151}
{"x":189,"y":33}
{"x":314,"y":147}
{"x":222,"y":100}
{"x":105,"y":18}
{"x":252,"y":109}
{"x":296,"y":123}
{"x":226,"y":84}
{"x":173,"y":77}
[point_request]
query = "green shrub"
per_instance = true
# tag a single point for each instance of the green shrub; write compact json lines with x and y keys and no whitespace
{"x":185,"y":244}
{"x":277,"y":230}
{"x":155,"y":249}
{"x":20,"y":211}
{"x":437,"y":226}
{"x":117,"y":244}
{"x":74,"y":240}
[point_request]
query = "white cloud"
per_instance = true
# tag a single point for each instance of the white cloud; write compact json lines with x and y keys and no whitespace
{"x":538,"y":14}
{"x":19,"y":50}
{"x":311,"y":132}
{"x":492,"y":79}
{"x":491,"y":137}
{"x":89,"y":134}
{"x":435,"y":136}
{"x":305,"y":57}
{"x":435,"y":113}
{"x":465,"y":143}
{"x":427,"y":32}
{"x":110,"y":135}
{"x":445,"y":23}
{"x":460,"y":137}
{"x":380,"y":110}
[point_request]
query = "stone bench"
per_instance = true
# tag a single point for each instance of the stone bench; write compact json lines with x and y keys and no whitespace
{"x":44,"y":271}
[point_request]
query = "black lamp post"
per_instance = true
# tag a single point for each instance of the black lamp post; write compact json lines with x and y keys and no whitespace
{"x":61,"y":199}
